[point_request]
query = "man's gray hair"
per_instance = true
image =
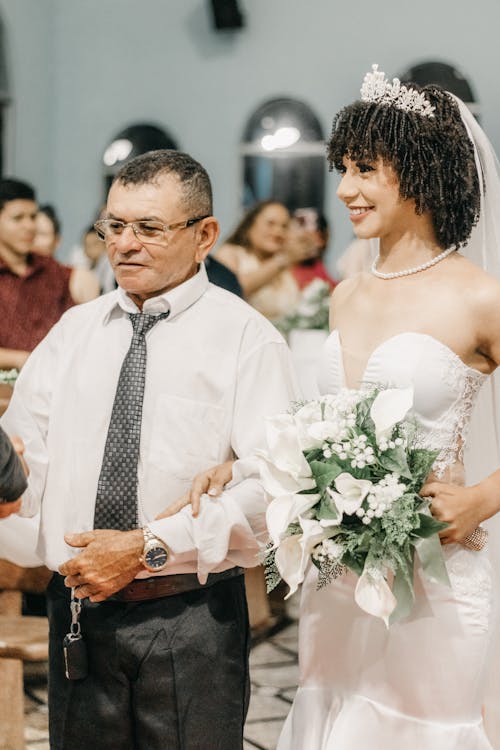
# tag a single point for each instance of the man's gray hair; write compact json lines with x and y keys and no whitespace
{"x":195,"y":182}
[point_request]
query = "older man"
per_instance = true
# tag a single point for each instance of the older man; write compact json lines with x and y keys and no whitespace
{"x":121,"y":405}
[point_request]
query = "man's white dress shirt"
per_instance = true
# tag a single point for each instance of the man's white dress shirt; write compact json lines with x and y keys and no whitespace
{"x":216,"y":368}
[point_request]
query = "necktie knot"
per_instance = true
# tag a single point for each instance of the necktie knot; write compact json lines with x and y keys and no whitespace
{"x":142,"y":322}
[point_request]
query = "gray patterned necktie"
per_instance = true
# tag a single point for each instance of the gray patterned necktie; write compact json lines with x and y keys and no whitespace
{"x":116,"y":501}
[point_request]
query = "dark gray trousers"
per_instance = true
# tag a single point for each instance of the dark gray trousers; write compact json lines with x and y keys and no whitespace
{"x":164,"y":674}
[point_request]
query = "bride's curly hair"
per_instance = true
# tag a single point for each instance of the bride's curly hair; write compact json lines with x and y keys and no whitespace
{"x":433,"y":158}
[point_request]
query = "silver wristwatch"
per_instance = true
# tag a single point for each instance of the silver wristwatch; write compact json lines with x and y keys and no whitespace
{"x":155,"y":552}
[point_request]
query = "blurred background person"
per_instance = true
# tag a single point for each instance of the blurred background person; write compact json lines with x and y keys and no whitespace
{"x":356,"y":258}
{"x":48,"y":231}
{"x":258,"y":253}
{"x":35,"y":289}
{"x":222,"y":276}
{"x":93,"y":257}
{"x":312,"y":230}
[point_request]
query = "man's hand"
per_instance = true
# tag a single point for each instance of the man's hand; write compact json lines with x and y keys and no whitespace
{"x":18,"y":446}
{"x":7,"y":509}
{"x":110,"y":560}
{"x":459,"y":507}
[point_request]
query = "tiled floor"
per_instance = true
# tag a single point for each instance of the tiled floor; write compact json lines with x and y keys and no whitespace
{"x":273,"y":664}
{"x":273,"y":671}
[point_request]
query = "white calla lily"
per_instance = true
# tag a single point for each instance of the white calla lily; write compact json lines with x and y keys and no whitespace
{"x":291,"y":561}
{"x":284,"y":449}
{"x":374,"y":596}
{"x":314,"y":533}
{"x":283,"y":510}
{"x":306,"y":416}
{"x":277,"y":482}
{"x":293,"y":554}
{"x":390,"y":407}
{"x":351,"y":493}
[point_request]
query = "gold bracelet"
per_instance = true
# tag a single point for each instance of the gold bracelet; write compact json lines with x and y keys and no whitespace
{"x":476,"y":540}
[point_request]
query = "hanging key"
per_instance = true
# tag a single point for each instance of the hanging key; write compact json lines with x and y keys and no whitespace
{"x":74,"y":648}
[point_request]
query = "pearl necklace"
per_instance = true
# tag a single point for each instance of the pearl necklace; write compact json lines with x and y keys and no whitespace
{"x":409,"y":271}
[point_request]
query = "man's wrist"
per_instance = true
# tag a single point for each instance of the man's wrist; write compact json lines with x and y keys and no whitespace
{"x":155,"y":553}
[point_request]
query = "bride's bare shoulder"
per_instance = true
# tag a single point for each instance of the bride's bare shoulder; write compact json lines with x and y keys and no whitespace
{"x":347,"y":287}
{"x":479,"y":283}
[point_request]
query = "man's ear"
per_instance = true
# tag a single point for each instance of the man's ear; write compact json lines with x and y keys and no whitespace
{"x":208,"y":233}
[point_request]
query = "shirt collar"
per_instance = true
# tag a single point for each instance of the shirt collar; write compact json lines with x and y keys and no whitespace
{"x":35,"y":264}
{"x":176,"y":300}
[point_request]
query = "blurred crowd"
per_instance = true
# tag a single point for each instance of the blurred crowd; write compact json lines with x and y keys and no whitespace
{"x":269,"y":259}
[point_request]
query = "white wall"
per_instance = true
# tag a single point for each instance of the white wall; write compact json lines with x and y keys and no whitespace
{"x":84,"y":69}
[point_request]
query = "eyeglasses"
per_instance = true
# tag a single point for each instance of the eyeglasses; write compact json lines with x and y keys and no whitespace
{"x":146,"y":231}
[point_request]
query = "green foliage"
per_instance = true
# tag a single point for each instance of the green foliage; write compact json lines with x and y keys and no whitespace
{"x":382,"y":532}
{"x":271,"y":572}
{"x":8,"y":377}
{"x":312,"y":312}
{"x":394,"y":460}
{"x":325,"y":473}
{"x":420,"y":462}
{"x":428,"y":526}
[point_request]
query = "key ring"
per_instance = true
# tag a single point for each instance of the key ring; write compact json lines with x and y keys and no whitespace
{"x":76,"y":608}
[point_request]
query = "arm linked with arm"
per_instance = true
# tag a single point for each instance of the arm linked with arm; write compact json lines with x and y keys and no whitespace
{"x":232,"y":527}
{"x":28,"y":414}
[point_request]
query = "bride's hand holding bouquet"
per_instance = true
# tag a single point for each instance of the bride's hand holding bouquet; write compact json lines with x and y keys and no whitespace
{"x":344,"y":473}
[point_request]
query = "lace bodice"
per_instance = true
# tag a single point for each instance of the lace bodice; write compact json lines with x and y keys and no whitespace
{"x":445,"y":387}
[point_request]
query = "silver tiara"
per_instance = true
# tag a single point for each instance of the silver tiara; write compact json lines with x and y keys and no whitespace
{"x":376,"y":88}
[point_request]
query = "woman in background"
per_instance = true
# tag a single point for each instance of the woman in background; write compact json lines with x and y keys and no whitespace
{"x":259,"y":253}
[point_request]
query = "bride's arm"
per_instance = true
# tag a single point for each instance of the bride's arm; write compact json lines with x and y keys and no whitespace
{"x":210,"y":482}
{"x":464,"y":508}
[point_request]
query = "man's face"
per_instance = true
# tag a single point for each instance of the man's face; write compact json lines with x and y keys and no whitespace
{"x":143,"y":269}
{"x":18,"y":226}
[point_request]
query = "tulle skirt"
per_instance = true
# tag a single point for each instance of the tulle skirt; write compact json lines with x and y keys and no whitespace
{"x":416,"y":685}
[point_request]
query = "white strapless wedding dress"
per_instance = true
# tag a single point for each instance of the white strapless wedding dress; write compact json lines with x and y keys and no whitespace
{"x":418,"y":685}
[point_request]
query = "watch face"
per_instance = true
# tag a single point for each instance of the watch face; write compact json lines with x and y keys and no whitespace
{"x":156,"y":558}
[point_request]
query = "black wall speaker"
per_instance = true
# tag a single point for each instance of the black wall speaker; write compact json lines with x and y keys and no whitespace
{"x":226,"y":14}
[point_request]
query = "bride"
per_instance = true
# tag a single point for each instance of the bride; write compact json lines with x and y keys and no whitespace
{"x":412,"y":176}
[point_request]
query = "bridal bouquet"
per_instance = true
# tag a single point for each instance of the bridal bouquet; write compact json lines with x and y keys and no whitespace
{"x":312,"y":310}
{"x":8,"y":377}
{"x":344,"y":473}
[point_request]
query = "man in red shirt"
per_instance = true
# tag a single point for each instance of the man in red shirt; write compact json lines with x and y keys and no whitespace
{"x":35,"y":290}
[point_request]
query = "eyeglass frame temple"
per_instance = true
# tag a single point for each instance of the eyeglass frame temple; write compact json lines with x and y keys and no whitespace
{"x":177,"y":225}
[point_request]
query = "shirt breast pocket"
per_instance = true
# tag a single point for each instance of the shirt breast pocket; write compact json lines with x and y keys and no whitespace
{"x":186,"y":436}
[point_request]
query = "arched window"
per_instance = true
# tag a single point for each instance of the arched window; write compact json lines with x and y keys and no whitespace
{"x":445,"y":75}
{"x":130,"y":142}
{"x":284,"y":155}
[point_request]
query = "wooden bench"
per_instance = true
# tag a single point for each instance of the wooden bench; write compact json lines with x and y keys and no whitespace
{"x":22,"y":639}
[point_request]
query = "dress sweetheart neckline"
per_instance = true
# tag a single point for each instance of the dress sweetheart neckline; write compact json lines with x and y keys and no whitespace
{"x":392,"y":338}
